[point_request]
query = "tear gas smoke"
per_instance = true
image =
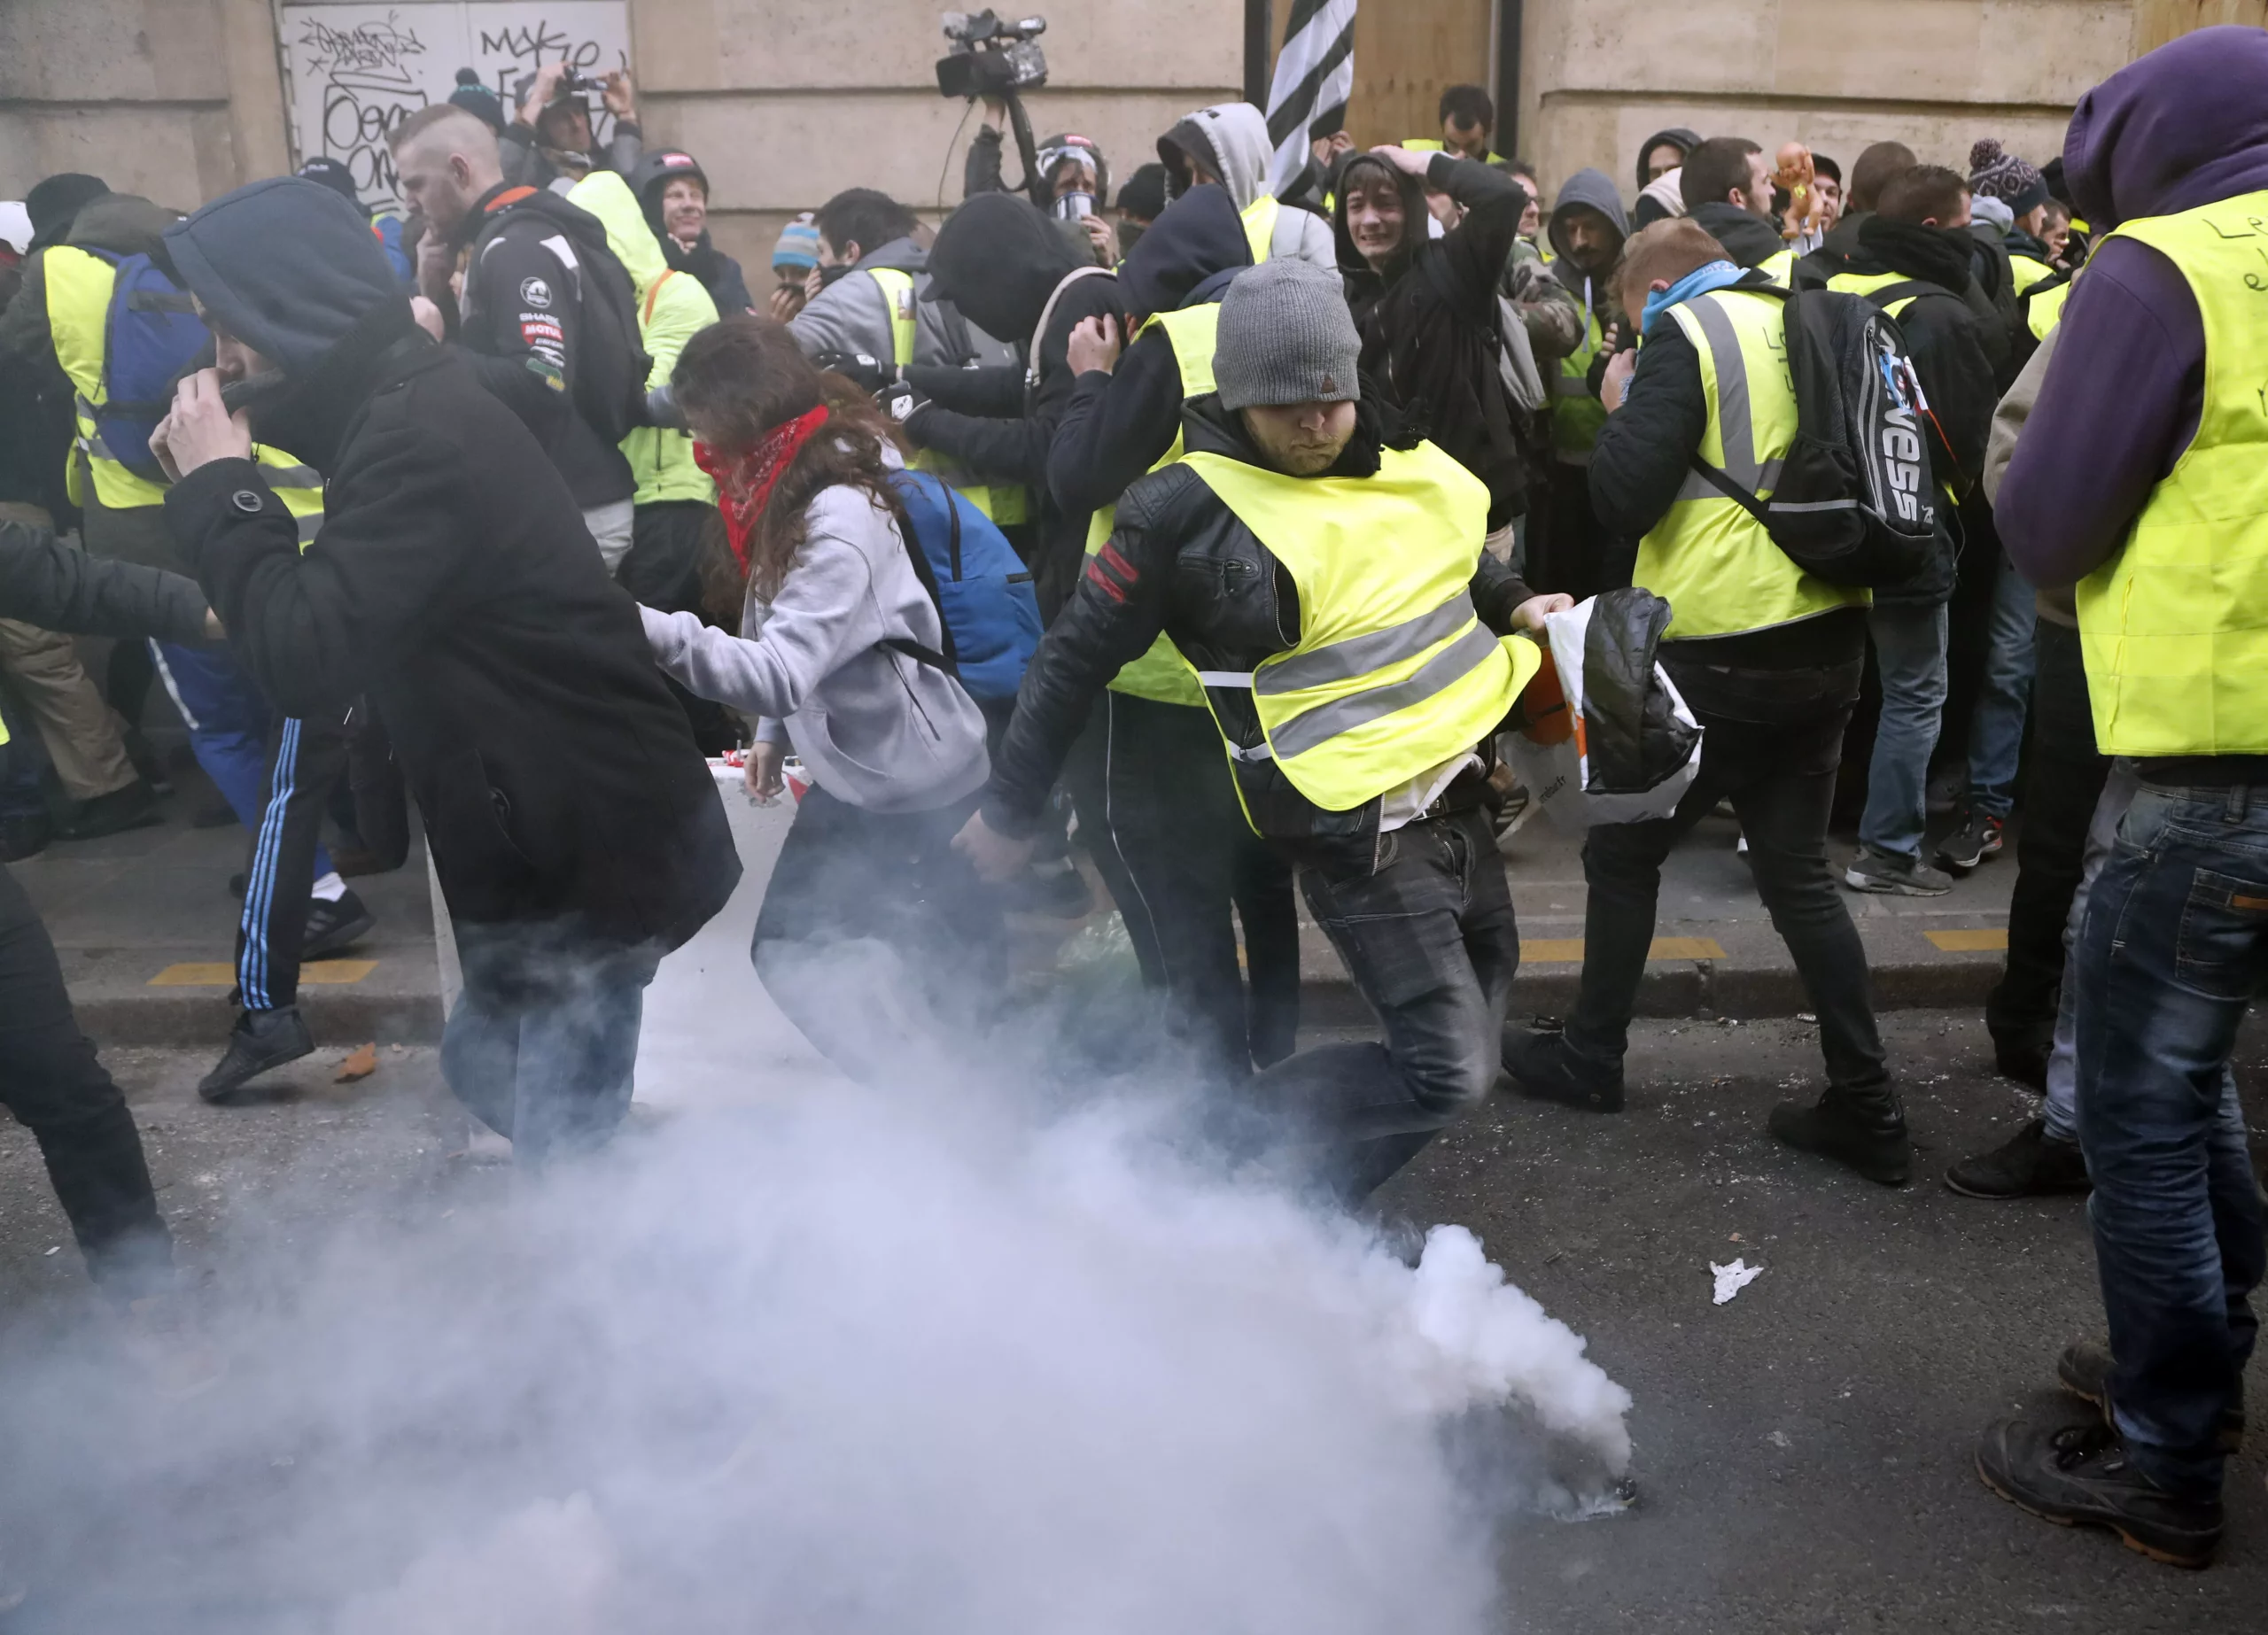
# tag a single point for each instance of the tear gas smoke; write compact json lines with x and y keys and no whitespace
{"x":838,"y":1363}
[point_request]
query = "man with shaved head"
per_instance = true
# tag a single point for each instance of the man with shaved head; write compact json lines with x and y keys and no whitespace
{"x":523,"y":272}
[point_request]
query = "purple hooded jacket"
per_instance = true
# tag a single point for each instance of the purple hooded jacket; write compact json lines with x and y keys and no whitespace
{"x":2183,"y":127}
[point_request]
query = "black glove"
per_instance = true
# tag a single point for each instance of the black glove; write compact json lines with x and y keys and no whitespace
{"x":901,"y":401}
{"x":868,"y":374}
{"x":662,"y":409}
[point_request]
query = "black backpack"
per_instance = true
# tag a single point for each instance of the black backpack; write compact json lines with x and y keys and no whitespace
{"x":1852,"y":504}
{"x":611,"y":363}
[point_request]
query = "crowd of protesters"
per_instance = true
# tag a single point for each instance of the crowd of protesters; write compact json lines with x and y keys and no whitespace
{"x":1061,"y":529}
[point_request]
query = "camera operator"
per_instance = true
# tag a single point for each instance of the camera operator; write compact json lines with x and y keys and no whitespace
{"x":1014,"y":273}
{"x":1074,"y":177}
{"x":550,"y":144}
{"x":531,"y":319}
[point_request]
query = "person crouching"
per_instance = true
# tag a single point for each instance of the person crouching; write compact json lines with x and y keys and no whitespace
{"x":830,"y":604}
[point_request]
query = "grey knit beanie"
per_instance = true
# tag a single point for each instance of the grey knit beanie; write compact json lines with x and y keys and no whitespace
{"x":1286,"y":336}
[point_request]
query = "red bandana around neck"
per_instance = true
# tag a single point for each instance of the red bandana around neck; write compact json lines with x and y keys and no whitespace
{"x":744,"y":484}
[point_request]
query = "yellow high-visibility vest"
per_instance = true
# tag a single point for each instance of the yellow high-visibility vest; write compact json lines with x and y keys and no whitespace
{"x":1427,"y":145}
{"x":1779,"y":267}
{"x":1394,"y":673}
{"x":1577,"y":415}
{"x":2027,"y":271}
{"x":1259,"y":219}
{"x":78,"y":316}
{"x":1709,"y":557}
{"x":1163,"y":675}
{"x":1004,"y":502}
{"x":2174,"y":627}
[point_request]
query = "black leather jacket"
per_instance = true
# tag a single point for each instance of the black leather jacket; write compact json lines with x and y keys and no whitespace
{"x":1180,"y":562}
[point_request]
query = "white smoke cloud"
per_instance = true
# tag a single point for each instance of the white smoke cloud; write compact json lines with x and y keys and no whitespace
{"x":836,"y":1363}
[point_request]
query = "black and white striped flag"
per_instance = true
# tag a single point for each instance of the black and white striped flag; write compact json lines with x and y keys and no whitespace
{"x":1315,"y":74}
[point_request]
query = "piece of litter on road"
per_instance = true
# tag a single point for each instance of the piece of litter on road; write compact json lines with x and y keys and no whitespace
{"x":359,"y":1065}
{"x":1778,"y":1438}
{"x":1805,"y":1016}
{"x":1735,"y":1238}
{"x":50,"y":1248}
{"x":1734,"y":1278}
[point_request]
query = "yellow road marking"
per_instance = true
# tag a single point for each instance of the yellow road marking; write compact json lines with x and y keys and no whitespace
{"x":1975,"y":942}
{"x":214,"y":974}
{"x":1569,"y":951}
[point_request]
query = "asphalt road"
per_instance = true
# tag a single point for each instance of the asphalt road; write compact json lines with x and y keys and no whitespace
{"x":1804,"y":1451}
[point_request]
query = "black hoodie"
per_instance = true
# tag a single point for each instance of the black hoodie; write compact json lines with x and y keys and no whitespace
{"x":526,"y":330}
{"x":1428,"y":321}
{"x":451,"y":583}
{"x":1119,"y":423}
{"x":998,"y":260}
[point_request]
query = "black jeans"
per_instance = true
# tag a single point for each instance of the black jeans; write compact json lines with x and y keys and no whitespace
{"x":877,"y":938}
{"x":541,"y":1043}
{"x":1158,"y":807}
{"x":1773,"y":741}
{"x":1424,"y":925}
{"x":2059,"y":799}
{"x":52,"y":1082}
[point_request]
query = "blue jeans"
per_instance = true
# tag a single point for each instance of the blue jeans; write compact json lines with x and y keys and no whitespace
{"x":22,"y":759}
{"x":1996,"y":729}
{"x":2173,"y":951}
{"x":1910,"y":655}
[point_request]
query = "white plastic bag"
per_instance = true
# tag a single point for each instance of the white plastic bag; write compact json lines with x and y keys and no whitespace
{"x":1551,"y":757}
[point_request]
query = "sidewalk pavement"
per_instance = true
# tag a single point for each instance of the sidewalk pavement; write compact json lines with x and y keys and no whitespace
{"x":145,"y":925}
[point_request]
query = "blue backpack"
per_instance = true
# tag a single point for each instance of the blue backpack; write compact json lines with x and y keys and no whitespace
{"x":150,"y":339}
{"x":980,"y":586}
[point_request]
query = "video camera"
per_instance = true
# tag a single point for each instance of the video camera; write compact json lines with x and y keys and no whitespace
{"x":991,"y":58}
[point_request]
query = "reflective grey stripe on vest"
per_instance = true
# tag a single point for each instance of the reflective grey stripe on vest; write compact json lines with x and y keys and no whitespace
{"x":1359,"y":656}
{"x":1304,"y":731}
{"x":309,"y":525}
{"x":1736,"y":424}
{"x":1572,"y":385}
{"x":92,"y":441}
{"x":291,"y":476}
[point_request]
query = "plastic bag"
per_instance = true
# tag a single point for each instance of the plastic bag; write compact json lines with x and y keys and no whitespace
{"x":1608,"y":738}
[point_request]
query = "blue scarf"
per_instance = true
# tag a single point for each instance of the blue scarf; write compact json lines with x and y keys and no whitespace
{"x":1700,"y":281}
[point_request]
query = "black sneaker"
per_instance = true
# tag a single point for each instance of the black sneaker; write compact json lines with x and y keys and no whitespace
{"x":1861,"y":1127}
{"x":1544,"y":1067}
{"x":146,"y":761}
{"x":1979,"y":837}
{"x":2080,"y":1475}
{"x":1902,"y":877}
{"x":261,"y":1040}
{"x":334,"y":926}
{"x":24,"y":837}
{"x":133,"y":806}
{"x":2085,"y":1370}
{"x":2030,"y":1164}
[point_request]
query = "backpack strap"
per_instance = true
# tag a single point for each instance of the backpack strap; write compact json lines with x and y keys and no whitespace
{"x":1047,"y":313}
{"x":655,"y":290}
{"x":1722,"y":482}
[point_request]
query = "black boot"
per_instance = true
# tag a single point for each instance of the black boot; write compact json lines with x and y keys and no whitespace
{"x":261,"y":1040}
{"x":2030,"y":1164}
{"x":1544,"y":1067}
{"x":133,"y":806}
{"x":2085,"y":1370}
{"x":2080,"y":1475}
{"x":1861,"y":1126}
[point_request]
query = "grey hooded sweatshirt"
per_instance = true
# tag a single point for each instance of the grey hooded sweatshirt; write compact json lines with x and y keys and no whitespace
{"x":853,"y":315}
{"x":877,"y":729}
{"x":1230,"y":139}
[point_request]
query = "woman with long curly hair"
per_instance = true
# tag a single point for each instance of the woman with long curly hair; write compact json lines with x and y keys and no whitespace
{"x":829,"y":605}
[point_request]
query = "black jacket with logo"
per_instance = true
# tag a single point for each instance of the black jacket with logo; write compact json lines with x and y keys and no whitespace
{"x":523,"y":327}
{"x":1180,"y":562}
